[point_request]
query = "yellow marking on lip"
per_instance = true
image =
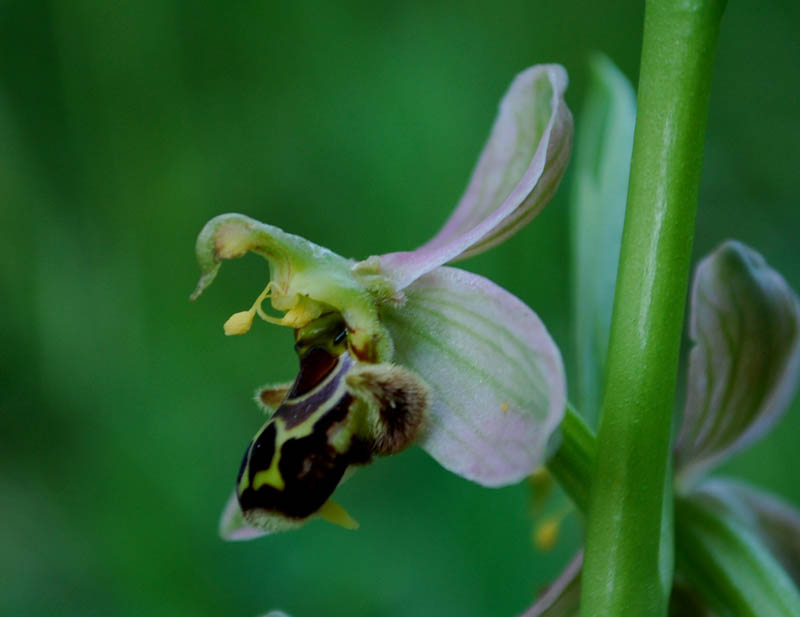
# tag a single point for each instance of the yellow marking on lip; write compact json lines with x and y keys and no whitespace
{"x":270,"y":476}
{"x":504,"y":407}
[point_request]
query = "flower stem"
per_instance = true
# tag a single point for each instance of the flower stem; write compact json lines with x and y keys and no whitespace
{"x":628,"y":566}
{"x":721,"y":559}
{"x":572,"y":463}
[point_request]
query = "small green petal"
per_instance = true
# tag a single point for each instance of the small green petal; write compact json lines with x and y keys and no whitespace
{"x":745,"y":363}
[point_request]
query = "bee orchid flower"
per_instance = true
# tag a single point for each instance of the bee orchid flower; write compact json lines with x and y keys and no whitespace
{"x":400,"y":349}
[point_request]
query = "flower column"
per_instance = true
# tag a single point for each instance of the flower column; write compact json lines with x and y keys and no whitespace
{"x":628,"y":567}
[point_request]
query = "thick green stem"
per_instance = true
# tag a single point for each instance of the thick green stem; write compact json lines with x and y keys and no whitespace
{"x":628,"y":563}
{"x":716,"y":555}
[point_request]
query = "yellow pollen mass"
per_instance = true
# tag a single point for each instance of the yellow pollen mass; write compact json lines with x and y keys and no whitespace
{"x":239,"y":323}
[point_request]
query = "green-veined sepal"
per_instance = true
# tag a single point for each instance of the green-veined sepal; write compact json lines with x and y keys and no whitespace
{"x":496,"y":378}
{"x":745,"y":363}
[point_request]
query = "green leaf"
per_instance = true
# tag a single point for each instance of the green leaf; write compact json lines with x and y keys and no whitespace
{"x":776,"y":522}
{"x":726,"y":564}
{"x":745,"y":364}
{"x":600,"y":185}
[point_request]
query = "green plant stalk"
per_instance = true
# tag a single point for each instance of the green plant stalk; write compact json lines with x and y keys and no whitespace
{"x":628,"y":562}
{"x":573,"y":461}
{"x":722,"y":560}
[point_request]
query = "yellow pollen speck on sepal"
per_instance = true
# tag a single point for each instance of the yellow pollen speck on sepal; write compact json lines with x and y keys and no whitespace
{"x":239,"y":323}
{"x":336,"y":514}
{"x":546,"y":534}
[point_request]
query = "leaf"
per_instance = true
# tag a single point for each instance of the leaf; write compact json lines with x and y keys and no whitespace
{"x":517,"y":173}
{"x":727,"y":565}
{"x":496,"y":378}
{"x":776,"y":522}
{"x":599,"y":191}
{"x":744,"y":366}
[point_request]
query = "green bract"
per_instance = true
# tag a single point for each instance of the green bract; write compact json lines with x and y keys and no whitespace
{"x":398,"y":349}
{"x":599,"y":189}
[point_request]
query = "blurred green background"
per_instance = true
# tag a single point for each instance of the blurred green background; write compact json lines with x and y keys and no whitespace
{"x":124,"y":411}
